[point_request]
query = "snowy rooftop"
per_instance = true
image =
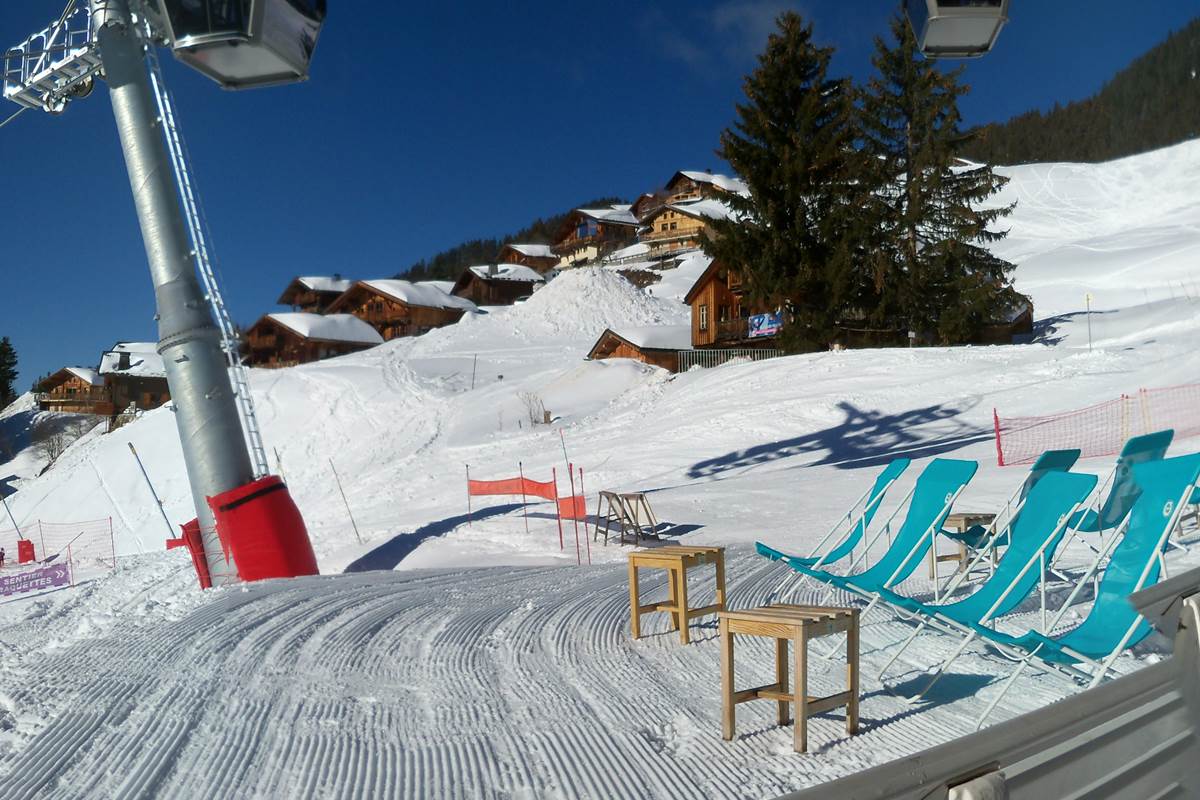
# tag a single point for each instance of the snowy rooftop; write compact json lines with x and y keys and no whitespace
{"x":723,"y":182}
{"x":144,"y":360}
{"x":328,"y":328}
{"x":86,"y":374}
{"x":703,"y":209}
{"x":322,"y":284}
{"x":441,"y":286}
{"x":419,"y":294}
{"x":507,"y":272}
{"x":533,"y":250}
{"x":657,"y":337}
{"x":632,"y":251}
{"x":616,"y":214}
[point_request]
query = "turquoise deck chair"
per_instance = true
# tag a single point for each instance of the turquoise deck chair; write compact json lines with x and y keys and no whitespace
{"x":873,"y":500}
{"x":978,"y":536}
{"x":1122,"y":488}
{"x":932,"y":498}
{"x":1035,"y":535}
{"x":1112,"y":624}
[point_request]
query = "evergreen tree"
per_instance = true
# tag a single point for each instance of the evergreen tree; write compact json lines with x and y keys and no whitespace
{"x":929,"y":271}
{"x":8,"y":372}
{"x":792,"y":143}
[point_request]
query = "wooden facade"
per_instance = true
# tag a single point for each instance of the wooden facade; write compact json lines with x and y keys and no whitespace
{"x":484,"y":289}
{"x":536,"y":257}
{"x":612,"y":345}
{"x":314,"y":295}
{"x":686,"y":186}
{"x":670,"y":229}
{"x":75,"y":390}
{"x":390,"y":315}
{"x":271,"y":344}
{"x":720,"y":316}
{"x":588,"y":235}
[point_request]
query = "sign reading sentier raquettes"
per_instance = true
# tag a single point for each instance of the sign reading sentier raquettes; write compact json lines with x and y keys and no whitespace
{"x":31,"y":581}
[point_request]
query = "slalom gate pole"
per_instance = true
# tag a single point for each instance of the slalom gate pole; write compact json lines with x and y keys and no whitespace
{"x":587,"y":538}
{"x":524,"y":502}
{"x":999,"y":447}
{"x":468,"y":466}
{"x":154,"y":494}
{"x":349,"y":513}
{"x":557,"y":506}
{"x":574,"y":516}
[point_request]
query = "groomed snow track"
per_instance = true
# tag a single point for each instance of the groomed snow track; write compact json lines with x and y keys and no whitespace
{"x":501,"y":683}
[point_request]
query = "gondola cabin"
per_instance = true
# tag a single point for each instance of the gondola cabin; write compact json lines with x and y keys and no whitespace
{"x":242,"y":44}
{"x":398,"y":308}
{"x":956,"y":28}
{"x":288,"y":339}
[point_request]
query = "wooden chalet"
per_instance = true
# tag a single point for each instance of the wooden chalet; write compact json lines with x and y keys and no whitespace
{"x":538,"y":257}
{"x":135,"y":376}
{"x":75,"y":390}
{"x":497,"y":284}
{"x":720,"y":315}
{"x":298,"y":337}
{"x":688,"y":185}
{"x":680,"y":226}
{"x":658,"y":345}
{"x":398,"y":308}
{"x":313,"y":293}
{"x":589,"y":234}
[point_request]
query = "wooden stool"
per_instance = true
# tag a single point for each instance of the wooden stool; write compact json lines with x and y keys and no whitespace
{"x":626,"y":510}
{"x":800,"y":625}
{"x":676,"y":560}
{"x":961,"y":522}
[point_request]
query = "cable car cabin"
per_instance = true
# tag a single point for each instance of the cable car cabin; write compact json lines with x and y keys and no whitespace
{"x":956,"y":28}
{"x":242,"y":44}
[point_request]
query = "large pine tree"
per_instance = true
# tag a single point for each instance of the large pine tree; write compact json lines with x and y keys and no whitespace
{"x":928,"y":271}
{"x":8,"y":372}
{"x":792,"y":143}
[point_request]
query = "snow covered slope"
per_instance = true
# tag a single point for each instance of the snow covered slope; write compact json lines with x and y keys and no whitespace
{"x":418,"y":683}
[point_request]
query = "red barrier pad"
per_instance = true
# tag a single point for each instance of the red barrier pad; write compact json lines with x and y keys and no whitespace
{"x":25,"y":553}
{"x":263,"y":530}
{"x":573,"y":507}
{"x":195,"y":544}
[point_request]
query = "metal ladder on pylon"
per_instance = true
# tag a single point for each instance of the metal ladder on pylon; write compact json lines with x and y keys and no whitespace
{"x":197,"y":229}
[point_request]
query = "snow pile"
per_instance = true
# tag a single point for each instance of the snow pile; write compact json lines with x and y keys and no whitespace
{"x":328,"y":327}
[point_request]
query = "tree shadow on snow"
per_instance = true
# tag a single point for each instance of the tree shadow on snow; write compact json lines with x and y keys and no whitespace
{"x":389,"y":554}
{"x":863,"y":439}
{"x":1046,"y":331}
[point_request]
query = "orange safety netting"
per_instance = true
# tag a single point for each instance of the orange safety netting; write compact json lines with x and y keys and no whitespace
{"x":513,"y":486}
{"x":573,"y":507}
{"x":1101,"y":429}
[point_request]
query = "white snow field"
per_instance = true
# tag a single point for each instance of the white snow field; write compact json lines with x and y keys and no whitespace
{"x":440,"y":659}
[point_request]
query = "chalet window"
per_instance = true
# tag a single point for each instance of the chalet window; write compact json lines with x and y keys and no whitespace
{"x":723,"y":313}
{"x":704,"y":316}
{"x":673,"y":224}
{"x":664,"y":226}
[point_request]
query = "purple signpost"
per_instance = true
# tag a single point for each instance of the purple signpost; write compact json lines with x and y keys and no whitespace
{"x":44,"y":578}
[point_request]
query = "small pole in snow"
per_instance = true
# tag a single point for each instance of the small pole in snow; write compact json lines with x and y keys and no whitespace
{"x":154,"y":494}
{"x":563,"y":439}
{"x":474,"y":364}
{"x":587,"y":539}
{"x":524,"y":502}
{"x":344,"y":500}
{"x":1087,"y":298}
{"x":468,"y":466}
{"x":574,"y":511}
{"x":557,"y":506}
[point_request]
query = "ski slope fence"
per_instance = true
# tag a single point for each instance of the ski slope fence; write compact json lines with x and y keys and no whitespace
{"x":572,"y":507}
{"x":1101,"y":429}
{"x":89,"y":544}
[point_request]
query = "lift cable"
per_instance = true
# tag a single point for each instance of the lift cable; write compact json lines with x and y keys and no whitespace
{"x":14,"y":116}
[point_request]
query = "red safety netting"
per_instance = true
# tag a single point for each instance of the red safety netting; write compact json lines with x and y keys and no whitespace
{"x":513,"y":486}
{"x":572,"y":507}
{"x":87,"y":543}
{"x":1101,"y":429}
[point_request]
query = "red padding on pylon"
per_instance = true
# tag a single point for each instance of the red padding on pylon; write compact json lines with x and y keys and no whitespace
{"x":194,"y":542}
{"x":264,"y":531}
{"x":25,"y":553}
{"x":573,"y":507}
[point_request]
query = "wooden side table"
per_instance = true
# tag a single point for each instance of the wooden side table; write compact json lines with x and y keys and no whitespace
{"x":676,"y":560}
{"x":799,"y":625}
{"x":961,"y":522}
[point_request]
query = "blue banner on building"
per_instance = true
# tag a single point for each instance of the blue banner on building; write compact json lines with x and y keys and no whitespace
{"x":765,"y":325}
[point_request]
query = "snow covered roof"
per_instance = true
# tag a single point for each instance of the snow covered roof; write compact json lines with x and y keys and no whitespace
{"x":723,"y":182}
{"x":328,"y":328}
{"x":533,"y":250}
{"x":703,"y":209}
{"x":143,"y":357}
{"x":417,"y":294}
{"x":507,"y":272}
{"x":658,"y":337}
{"x":444,"y":286}
{"x":632,"y":251}
{"x":614,"y":214}
{"x":321,"y":284}
{"x":86,"y":374}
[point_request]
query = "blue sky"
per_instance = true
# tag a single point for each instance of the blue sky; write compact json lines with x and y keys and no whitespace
{"x":427,"y":124}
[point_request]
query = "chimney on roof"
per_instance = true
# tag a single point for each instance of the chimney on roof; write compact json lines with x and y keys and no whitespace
{"x":123,"y":360}
{"x":337,"y":276}
{"x":493,"y":269}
